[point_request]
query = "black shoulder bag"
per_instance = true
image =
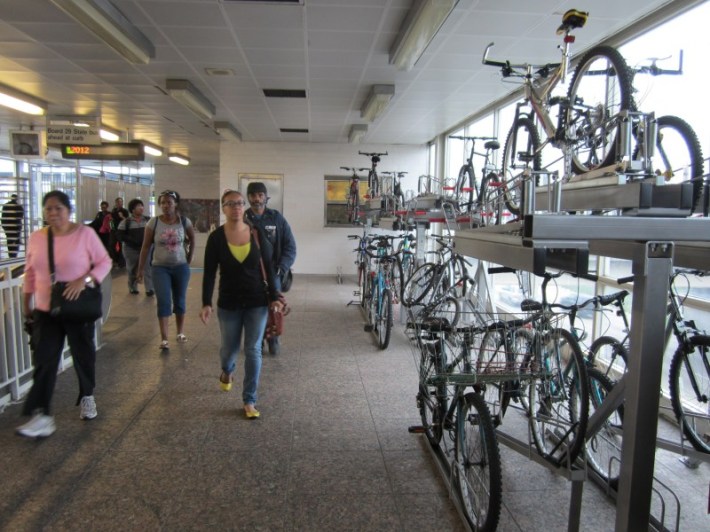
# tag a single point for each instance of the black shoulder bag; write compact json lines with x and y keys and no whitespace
{"x":86,"y":308}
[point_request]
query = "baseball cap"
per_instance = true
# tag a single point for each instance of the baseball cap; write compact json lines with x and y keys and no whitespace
{"x":256,"y":187}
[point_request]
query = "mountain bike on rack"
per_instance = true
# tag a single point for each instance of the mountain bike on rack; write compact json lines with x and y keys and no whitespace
{"x":458,"y":424}
{"x":363,"y":264}
{"x":353,"y":196}
{"x":467,"y":190}
{"x":391,"y":192}
{"x":373,"y":182}
{"x":382,"y":289}
{"x":586,"y":126}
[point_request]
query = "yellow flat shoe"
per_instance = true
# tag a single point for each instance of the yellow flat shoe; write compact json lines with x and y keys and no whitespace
{"x":225,"y":386}
{"x":253,"y":413}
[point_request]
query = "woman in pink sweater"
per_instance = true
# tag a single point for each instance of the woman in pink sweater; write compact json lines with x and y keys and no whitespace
{"x":79,"y":259}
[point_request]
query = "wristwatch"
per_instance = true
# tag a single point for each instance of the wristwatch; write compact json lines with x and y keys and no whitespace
{"x":89,"y":281}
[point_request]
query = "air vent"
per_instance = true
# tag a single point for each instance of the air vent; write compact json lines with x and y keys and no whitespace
{"x":293,"y":130}
{"x":284,"y":93}
{"x":219,"y":71}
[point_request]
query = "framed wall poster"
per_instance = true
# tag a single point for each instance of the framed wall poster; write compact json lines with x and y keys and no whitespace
{"x":203,"y":213}
{"x":274,"y":186}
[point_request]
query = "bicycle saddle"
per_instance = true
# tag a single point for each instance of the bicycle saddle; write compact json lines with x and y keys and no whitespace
{"x":492,"y":145}
{"x":572,"y":19}
{"x":530,"y":305}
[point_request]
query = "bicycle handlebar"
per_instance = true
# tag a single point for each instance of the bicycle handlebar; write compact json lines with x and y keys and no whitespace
{"x":655,"y":70}
{"x":508,"y":69}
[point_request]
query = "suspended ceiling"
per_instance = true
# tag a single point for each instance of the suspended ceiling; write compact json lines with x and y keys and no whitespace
{"x":333,"y":49}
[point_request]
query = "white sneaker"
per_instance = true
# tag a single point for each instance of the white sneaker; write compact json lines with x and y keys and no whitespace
{"x":88,"y":407}
{"x":40,"y":426}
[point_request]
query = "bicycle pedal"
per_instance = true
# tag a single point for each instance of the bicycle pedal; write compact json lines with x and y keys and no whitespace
{"x":416,"y":429}
{"x":369,"y":328}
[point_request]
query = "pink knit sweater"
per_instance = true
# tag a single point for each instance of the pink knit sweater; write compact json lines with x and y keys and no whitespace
{"x":73,"y":256}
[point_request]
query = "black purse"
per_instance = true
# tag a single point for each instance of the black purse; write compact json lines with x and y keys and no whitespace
{"x":86,"y":308}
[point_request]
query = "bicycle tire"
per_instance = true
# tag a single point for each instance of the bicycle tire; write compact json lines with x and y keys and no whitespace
{"x":397,"y":279}
{"x":353,"y":208}
{"x":362,"y":274}
{"x":552,"y":395}
{"x":692,"y":409}
{"x":685,"y":142}
{"x":479,"y":476}
{"x":418,"y":285}
{"x":431,"y":398}
{"x":523,"y":346}
{"x":492,"y":357}
{"x":523,"y":128}
{"x":466,"y":190}
{"x":373,"y":183}
{"x":491,"y":204}
{"x":592,"y":123}
{"x":608,"y":348}
{"x":384,"y":319}
{"x":603,"y":449}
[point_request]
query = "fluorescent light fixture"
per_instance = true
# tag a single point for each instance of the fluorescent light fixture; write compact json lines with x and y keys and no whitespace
{"x":377,"y":100}
{"x":420,"y":26}
{"x":357,"y":132}
{"x":19,"y":101}
{"x":109,"y":134}
{"x":151,"y":149}
{"x":188,"y":95}
{"x":227,"y":131}
{"x":110,"y":25}
{"x":178,"y":159}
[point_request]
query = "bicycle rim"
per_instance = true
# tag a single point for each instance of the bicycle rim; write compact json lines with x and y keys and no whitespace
{"x":522,"y":150}
{"x":466,"y":191}
{"x":491,"y":358}
{"x":559,"y":398}
{"x":603,"y":449}
{"x":384,"y":319}
{"x":689,"y":382}
{"x":478,"y":476}
{"x":600,"y":89}
{"x":418,"y":285}
{"x":609,"y":356}
{"x":491,"y":201}
{"x":431,"y":398}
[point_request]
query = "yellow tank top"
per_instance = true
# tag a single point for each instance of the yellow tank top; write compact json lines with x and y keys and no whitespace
{"x":240,"y":252}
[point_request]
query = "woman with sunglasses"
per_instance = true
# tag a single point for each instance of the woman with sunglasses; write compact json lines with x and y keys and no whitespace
{"x":243,"y":298}
{"x":173,"y":238}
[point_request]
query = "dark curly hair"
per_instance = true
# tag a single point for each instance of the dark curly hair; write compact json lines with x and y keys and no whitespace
{"x":133,"y":203}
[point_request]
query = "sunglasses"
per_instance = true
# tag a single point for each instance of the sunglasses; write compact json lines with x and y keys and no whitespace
{"x":232,"y":204}
{"x":169,"y":193}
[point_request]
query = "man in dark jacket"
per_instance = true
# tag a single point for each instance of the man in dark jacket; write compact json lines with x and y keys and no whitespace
{"x":13,"y":215}
{"x":278,"y":231}
{"x":118,"y":214}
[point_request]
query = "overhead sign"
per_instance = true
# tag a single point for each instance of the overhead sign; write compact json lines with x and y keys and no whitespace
{"x":74,"y":129}
{"x":112,"y":151}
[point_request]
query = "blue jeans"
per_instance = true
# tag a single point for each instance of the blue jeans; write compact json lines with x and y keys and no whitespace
{"x":231,"y":322}
{"x":170,"y":284}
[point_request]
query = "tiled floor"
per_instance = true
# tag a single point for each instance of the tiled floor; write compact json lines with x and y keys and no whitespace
{"x":170,"y":451}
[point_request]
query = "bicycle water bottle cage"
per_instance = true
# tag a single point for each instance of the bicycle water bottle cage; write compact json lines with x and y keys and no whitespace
{"x":530,"y":305}
{"x":571,"y":20}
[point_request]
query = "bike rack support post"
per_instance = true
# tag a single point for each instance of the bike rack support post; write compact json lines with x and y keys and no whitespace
{"x":651,"y":280}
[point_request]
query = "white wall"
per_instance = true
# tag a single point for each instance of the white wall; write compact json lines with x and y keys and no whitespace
{"x":320,"y":249}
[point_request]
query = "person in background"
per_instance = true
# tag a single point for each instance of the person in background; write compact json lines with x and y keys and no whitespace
{"x":242,"y":303}
{"x":80,"y":259}
{"x":102,"y":225}
{"x":13,"y":214}
{"x":278,"y":232}
{"x":130,"y":233}
{"x":118,"y":214}
{"x":173,"y":239}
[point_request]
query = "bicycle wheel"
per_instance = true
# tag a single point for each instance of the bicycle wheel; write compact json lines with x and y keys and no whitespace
{"x":601,"y":87}
{"x":491,"y":200}
{"x":353,"y":209}
{"x":559,"y":398}
{"x":384,"y":319}
{"x":478,"y":477}
{"x":431,"y":398}
{"x":362,"y":275}
{"x":396,"y":280}
{"x":492,"y":359}
{"x":522,"y":150}
{"x":523,"y":351}
{"x":466,"y":190}
{"x":679,"y":158}
{"x":373,"y":183}
{"x":418,"y":285}
{"x":609,"y":356}
{"x":603,"y":449}
{"x":690,"y":390}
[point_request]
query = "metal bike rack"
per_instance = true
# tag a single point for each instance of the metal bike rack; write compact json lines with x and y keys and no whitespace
{"x":653,"y":245}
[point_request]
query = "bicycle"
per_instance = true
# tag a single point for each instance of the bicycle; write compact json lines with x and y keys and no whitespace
{"x":373,"y":182}
{"x":466,"y":189}
{"x":353,"y":196}
{"x":363,"y":264}
{"x":586,"y":127}
{"x":393,"y":197}
{"x":381,"y":291}
{"x":446,"y":409}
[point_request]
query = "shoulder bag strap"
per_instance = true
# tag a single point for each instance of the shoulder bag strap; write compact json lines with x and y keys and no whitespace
{"x":255,"y":233}
{"x":50,"y":254}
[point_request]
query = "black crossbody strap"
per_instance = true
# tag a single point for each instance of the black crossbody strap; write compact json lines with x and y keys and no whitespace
{"x":50,"y":253}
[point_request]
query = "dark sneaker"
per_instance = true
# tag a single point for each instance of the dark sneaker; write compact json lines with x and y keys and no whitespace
{"x":274,"y":346}
{"x":40,"y":426}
